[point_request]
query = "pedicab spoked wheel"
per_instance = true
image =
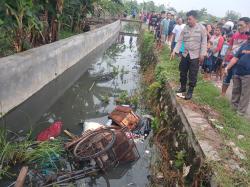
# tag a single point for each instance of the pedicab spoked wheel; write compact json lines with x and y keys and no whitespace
{"x":94,"y":144}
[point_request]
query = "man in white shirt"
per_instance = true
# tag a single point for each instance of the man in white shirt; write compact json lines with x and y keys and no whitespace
{"x":177,"y":31}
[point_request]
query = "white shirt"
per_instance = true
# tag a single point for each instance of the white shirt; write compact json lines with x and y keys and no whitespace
{"x":177,"y":31}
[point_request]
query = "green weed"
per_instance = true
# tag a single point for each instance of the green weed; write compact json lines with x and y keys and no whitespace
{"x":45,"y":154}
{"x":179,"y":159}
{"x":147,"y":50}
{"x":105,"y":99}
{"x":10,"y":152}
{"x":125,"y":99}
{"x":155,"y":123}
{"x":153,"y":90}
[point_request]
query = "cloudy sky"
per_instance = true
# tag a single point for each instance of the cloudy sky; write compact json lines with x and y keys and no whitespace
{"x":215,"y":7}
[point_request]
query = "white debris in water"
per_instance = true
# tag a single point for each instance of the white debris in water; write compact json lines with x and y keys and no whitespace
{"x":91,"y":126}
{"x":147,"y":151}
{"x":139,"y":140}
{"x":109,"y":122}
{"x":186,"y":170}
{"x":51,"y":120}
{"x":131,"y":184}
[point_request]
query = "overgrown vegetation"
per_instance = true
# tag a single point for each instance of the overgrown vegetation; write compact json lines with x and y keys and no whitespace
{"x":125,"y":99}
{"x":37,"y":155}
{"x":45,"y":154}
{"x":147,"y":50}
{"x":30,"y":23}
{"x":155,"y":123}
{"x":105,"y":99}
{"x":11,"y":153}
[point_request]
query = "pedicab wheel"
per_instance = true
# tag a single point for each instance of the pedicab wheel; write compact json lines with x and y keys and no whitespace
{"x":94,"y":144}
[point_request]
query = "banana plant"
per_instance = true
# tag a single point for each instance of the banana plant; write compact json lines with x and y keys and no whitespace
{"x":19,"y":21}
{"x":30,"y":23}
{"x":50,"y":12}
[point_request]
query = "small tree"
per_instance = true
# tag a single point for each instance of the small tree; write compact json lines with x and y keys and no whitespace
{"x":172,"y":10}
{"x":18,"y":21}
{"x":233,"y":15}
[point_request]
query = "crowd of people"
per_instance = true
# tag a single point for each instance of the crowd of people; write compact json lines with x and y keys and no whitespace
{"x":220,"y":50}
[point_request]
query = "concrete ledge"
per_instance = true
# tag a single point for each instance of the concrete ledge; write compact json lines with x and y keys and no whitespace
{"x":204,"y":138}
{"x":185,"y":122}
{"x":182,"y":136}
{"x":200,"y":132}
{"x":23,"y":74}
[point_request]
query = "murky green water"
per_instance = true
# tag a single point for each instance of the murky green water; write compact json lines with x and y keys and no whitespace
{"x":116,"y":71}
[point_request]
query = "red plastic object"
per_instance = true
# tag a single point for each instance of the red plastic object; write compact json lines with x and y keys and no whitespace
{"x":52,"y":131}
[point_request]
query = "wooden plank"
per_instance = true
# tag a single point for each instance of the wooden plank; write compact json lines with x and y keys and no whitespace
{"x":21,"y":177}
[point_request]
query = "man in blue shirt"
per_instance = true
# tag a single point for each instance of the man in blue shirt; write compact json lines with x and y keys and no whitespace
{"x":241,"y":79}
{"x":164,"y":27}
{"x":172,"y":23}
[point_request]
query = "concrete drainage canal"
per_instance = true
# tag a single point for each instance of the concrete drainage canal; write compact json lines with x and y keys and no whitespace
{"x":97,"y":147}
{"x":92,"y":128}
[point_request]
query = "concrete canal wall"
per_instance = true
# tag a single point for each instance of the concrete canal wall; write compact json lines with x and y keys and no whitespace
{"x":23,"y":74}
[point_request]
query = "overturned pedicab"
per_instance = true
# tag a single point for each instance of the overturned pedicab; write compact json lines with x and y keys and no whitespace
{"x":98,"y":149}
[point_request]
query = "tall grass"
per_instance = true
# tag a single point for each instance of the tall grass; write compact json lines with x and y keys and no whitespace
{"x":28,"y":152}
{"x":10,"y":153}
{"x":45,"y":155}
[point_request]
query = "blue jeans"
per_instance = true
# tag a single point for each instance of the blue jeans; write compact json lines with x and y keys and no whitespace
{"x":207,"y":66}
{"x":228,"y":78}
{"x":216,"y":63}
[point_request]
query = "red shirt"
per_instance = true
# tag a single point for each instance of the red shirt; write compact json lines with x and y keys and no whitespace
{"x":236,"y":42}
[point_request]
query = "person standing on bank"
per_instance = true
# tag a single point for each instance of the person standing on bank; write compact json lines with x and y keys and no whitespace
{"x":241,"y":79}
{"x":194,"y":36}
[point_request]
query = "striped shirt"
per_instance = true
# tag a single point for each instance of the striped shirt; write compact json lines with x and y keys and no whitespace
{"x":195,"y":41}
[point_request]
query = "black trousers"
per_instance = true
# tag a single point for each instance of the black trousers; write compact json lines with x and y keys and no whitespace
{"x":188,"y":67}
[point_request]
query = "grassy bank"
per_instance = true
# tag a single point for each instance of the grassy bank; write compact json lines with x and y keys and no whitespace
{"x":206,"y":94}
